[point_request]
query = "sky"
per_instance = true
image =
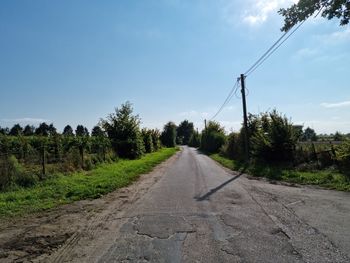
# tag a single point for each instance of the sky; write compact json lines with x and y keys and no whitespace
{"x":73,"y":62}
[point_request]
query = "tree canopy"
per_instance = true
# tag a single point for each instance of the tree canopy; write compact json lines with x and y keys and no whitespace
{"x":184,"y":132}
{"x":68,"y":131}
{"x":16,"y":130}
{"x":81,"y":131}
{"x":168,"y":136}
{"x":123,"y":129}
{"x":305,"y":8}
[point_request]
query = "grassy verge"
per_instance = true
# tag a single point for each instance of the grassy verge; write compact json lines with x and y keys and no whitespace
{"x":327,"y":179}
{"x":63,"y":189}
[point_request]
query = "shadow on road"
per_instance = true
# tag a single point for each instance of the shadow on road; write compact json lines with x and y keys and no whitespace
{"x":214,"y":190}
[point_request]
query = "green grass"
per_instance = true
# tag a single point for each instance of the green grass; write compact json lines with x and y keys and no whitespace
{"x":63,"y":189}
{"x":325,"y":178}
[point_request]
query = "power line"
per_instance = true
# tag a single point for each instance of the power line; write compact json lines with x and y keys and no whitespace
{"x":262,"y":57}
{"x":252,"y":69}
{"x":258,"y":63}
{"x":228,"y":98}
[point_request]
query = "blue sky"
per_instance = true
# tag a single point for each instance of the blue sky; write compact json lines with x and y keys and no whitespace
{"x":72,"y":62}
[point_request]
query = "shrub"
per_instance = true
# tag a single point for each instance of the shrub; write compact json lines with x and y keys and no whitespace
{"x":123,"y":129}
{"x":213,"y":138}
{"x":168,"y":136}
{"x":156,"y":139}
{"x":147,"y":140}
{"x":343,"y":157}
{"x":233,"y":148}
{"x":11,"y":171}
{"x":273,"y":139}
{"x":88,"y":163}
{"x":195,"y":140}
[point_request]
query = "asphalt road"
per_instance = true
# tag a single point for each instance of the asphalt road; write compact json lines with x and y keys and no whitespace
{"x":201,"y":212}
{"x":190,"y":209}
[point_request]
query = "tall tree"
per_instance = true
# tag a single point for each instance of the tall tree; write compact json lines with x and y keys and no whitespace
{"x":338,"y":136}
{"x":16,"y":130}
{"x":305,"y":8}
{"x":28,"y":130}
{"x":123,"y":129}
{"x":43,"y":129}
{"x":68,"y":131}
{"x":185,"y":131}
{"x":97,"y":131}
{"x":52,"y":130}
{"x":168,"y":136}
{"x":213,"y":137}
{"x":4,"y":131}
{"x":81,"y":131}
{"x":309,"y":135}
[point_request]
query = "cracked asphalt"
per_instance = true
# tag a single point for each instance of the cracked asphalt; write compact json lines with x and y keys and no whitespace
{"x":201,"y":212}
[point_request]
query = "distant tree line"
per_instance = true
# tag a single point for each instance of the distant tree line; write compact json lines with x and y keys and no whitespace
{"x":31,"y":152}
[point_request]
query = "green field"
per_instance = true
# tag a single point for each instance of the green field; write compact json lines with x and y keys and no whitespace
{"x":327,"y":178}
{"x":63,"y":189}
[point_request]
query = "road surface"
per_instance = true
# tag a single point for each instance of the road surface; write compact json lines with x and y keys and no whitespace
{"x":200,"y":212}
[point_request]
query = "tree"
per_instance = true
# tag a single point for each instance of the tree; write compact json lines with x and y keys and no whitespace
{"x":338,"y":136}
{"x":168,"y":136}
{"x":213,"y":137}
{"x":68,"y":131}
{"x":28,"y":130}
{"x":81,"y":131}
{"x":195,"y":140}
{"x":309,"y":135}
{"x":97,"y":131}
{"x":156,"y":139}
{"x":4,"y":131}
{"x":52,"y":130}
{"x":43,"y":129}
{"x":123,"y":129}
{"x":185,"y":131}
{"x":273,"y":139}
{"x":306,"y":8}
{"x":147,"y":140}
{"x":16,"y":130}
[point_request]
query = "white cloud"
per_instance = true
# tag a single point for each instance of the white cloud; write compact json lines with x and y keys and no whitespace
{"x":193,"y":113}
{"x":26,"y":120}
{"x":337,"y":37}
{"x":254,"y":12}
{"x":307,"y":52}
{"x":336,"y":105}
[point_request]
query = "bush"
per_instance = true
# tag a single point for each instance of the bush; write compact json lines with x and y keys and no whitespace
{"x":234,"y":148}
{"x":11,"y":172}
{"x":88,"y":163}
{"x":273,"y":139}
{"x":343,"y":157}
{"x":168,"y":136}
{"x":147,"y":140}
{"x":123,"y":129}
{"x":156,"y":139}
{"x":213,"y":138}
{"x":195,"y":140}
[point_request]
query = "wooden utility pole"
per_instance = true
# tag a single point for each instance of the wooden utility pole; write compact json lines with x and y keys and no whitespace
{"x":245,"y":119}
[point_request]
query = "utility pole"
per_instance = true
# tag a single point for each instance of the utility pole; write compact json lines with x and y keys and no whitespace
{"x":245,"y":119}
{"x":205,"y":125}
